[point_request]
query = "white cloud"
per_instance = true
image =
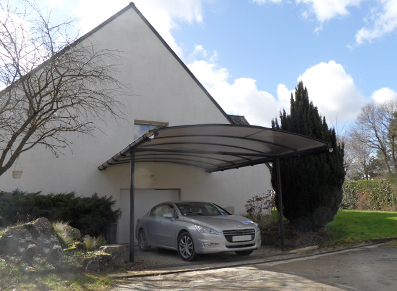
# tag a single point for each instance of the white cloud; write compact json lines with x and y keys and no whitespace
{"x":330,"y":88}
{"x":381,"y":19}
{"x":381,"y":23}
{"x":383,"y":95}
{"x":241,"y":97}
{"x":266,"y":1}
{"x":333,"y":91}
{"x":207,"y":71}
{"x":328,"y":9}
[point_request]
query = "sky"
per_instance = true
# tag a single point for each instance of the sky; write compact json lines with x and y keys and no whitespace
{"x":251,"y":54}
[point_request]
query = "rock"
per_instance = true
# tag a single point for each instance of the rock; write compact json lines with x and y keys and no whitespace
{"x":28,"y":254}
{"x":15,"y":241}
{"x":44,"y":235}
{"x":102,"y":262}
{"x":40,"y":226}
{"x":32,"y":239}
{"x":119,"y":253}
{"x":55,"y":256}
{"x":73,"y":232}
{"x":45,"y":243}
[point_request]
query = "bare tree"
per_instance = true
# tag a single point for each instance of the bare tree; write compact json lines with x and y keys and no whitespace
{"x":373,"y":132}
{"x":361,"y":162}
{"x":53,"y":85}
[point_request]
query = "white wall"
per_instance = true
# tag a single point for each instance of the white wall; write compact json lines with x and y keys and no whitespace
{"x":161,"y":90}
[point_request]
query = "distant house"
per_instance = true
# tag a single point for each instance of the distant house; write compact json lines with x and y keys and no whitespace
{"x":163,"y":93}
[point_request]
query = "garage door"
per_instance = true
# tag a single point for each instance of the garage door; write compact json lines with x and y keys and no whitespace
{"x":145,"y":199}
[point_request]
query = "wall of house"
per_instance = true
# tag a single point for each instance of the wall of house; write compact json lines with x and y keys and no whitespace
{"x":159,"y":89}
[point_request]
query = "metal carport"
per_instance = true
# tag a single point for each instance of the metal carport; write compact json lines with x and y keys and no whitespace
{"x":215,"y":147}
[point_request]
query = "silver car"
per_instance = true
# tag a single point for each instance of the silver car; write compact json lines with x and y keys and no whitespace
{"x":193,"y":228}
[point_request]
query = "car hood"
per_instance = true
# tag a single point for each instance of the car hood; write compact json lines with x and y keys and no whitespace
{"x":222,"y":222}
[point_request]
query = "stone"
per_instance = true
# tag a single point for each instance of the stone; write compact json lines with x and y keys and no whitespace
{"x":28,"y":254}
{"x":101,"y":262}
{"x":74,"y":232}
{"x":46,"y":242}
{"x":33,"y":239}
{"x":15,"y":241}
{"x":119,"y":252}
{"x":40,"y":226}
{"x":55,"y":256}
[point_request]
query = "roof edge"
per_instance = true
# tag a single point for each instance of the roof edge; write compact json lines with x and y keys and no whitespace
{"x":92,"y":31}
{"x":132,"y":5}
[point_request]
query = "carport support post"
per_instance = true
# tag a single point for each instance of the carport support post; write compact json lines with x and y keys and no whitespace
{"x":132,"y":192}
{"x":280,"y":203}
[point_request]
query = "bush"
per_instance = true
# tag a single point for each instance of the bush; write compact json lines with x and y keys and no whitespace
{"x":260,"y":205}
{"x":91,"y":215}
{"x":369,"y":195}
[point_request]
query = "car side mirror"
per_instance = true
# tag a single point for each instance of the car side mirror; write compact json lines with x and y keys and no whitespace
{"x":168,"y":215}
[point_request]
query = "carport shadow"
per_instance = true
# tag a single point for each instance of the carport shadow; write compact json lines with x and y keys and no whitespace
{"x":158,"y":258}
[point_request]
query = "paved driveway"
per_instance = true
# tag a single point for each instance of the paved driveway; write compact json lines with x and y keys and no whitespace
{"x":365,"y":268}
{"x":166,"y":260}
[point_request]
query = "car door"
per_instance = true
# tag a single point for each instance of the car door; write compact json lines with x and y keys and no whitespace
{"x":167,"y":226}
{"x":151,"y":225}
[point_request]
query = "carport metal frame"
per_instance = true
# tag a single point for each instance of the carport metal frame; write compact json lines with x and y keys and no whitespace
{"x":215,"y":147}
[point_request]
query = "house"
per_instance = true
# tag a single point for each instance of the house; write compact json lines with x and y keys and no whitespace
{"x":163,"y":92}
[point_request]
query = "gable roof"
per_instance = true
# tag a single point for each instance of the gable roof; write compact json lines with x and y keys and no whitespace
{"x":131,"y":5}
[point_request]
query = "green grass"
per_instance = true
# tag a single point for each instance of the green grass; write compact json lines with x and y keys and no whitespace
{"x":15,"y":275}
{"x":352,"y":227}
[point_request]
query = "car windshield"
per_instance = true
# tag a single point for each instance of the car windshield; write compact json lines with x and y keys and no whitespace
{"x":200,"y":209}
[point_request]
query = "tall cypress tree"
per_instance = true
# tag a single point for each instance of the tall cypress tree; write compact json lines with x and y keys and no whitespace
{"x":311,"y":185}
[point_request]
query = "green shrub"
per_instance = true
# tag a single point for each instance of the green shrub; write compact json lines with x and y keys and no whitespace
{"x":91,"y":215}
{"x":369,"y":195}
{"x":260,"y":205}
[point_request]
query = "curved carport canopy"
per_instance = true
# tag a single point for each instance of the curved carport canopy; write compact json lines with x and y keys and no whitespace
{"x":215,"y":147}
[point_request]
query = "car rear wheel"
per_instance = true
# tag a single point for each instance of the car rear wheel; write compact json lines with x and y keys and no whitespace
{"x":244,"y":253}
{"x":186,"y":247}
{"x":142,"y":241}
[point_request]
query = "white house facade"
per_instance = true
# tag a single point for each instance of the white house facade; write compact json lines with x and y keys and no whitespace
{"x":162,"y":92}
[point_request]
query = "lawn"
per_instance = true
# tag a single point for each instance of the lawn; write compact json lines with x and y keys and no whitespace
{"x":351,"y":227}
{"x":15,"y":275}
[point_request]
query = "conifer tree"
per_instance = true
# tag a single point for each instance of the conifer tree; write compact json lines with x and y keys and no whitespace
{"x":311,"y":185}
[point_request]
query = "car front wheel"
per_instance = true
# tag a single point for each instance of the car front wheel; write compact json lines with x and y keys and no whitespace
{"x":142,"y":241}
{"x":186,"y":247}
{"x":244,"y":253}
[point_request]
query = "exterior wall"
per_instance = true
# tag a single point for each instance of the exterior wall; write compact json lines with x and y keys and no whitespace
{"x":160,"y":90}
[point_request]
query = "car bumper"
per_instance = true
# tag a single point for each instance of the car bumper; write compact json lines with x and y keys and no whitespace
{"x":208,"y":244}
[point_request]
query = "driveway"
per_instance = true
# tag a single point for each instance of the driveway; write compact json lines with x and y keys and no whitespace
{"x":365,"y":268}
{"x":162,"y":260}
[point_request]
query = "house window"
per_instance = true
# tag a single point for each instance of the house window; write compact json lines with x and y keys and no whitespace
{"x":140,"y":127}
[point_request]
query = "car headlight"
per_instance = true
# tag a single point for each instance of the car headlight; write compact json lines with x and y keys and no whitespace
{"x":257,"y":227}
{"x":204,"y":229}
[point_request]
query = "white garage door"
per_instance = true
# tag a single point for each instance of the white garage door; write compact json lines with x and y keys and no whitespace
{"x":145,"y":199}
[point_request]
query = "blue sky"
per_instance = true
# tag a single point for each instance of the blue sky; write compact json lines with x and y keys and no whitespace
{"x":250,"y":55}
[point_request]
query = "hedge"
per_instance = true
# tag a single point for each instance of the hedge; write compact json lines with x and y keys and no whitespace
{"x":91,"y":215}
{"x":377,"y":194}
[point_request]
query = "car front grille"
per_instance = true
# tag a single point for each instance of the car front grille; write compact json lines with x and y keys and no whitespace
{"x":229,"y":234}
